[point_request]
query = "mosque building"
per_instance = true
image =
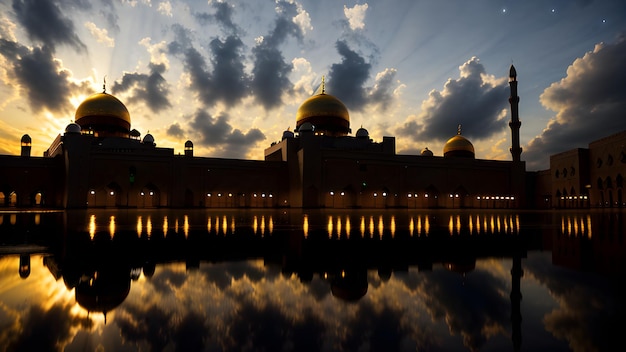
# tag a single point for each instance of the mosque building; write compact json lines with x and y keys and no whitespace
{"x":99,"y":161}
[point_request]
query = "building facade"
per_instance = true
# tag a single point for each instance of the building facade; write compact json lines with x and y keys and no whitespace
{"x":100,"y":162}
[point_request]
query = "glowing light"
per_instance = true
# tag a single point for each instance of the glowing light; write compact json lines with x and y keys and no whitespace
{"x":371,"y":226}
{"x":255,"y":224}
{"x":393,"y":226}
{"x":165,"y":225}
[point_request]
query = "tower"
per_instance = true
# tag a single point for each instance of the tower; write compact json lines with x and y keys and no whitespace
{"x":515,"y":123}
{"x":26,"y":145}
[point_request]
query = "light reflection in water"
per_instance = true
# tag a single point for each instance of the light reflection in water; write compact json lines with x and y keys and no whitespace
{"x":92,"y":226}
{"x":149,"y":227}
{"x":329,"y":226}
{"x":371,"y":226}
{"x":186,"y":226}
{"x":576,"y":226}
{"x":348,"y":227}
{"x":381,"y":226}
{"x":37,"y":219}
{"x":176,"y":225}
{"x":338,"y":227}
{"x":165,"y":225}
{"x":112,"y":225}
{"x":224,"y":225}
{"x":262,"y":225}
{"x":305,"y":226}
{"x":255,"y":224}
{"x":139,"y":225}
{"x":362,"y":226}
{"x":271,"y":226}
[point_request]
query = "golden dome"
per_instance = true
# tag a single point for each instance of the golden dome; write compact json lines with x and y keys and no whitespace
{"x":103,"y":112}
{"x":459,"y":146}
{"x":327,"y":113}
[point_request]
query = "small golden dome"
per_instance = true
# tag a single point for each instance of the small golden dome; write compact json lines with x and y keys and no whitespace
{"x":458,"y":146}
{"x":327,"y":113}
{"x":102,"y":111}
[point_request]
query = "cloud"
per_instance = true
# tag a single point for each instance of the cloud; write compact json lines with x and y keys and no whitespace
{"x":175,"y":130}
{"x":101,"y":35}
{"x":45,"y":22}
{"x":223,"y":16}
{"x":217,"y":133}
{"x":355,"y":16}
{"x":589,"y":104}
{"x":47,"y":84}
{"x":270,"y":73}
{"x":384,"y":89}
{"x":165,"y":8}
{"x":475,"y":100}
{"x":150,"y":88}
{"x":46,"y":329}
{"x":347,"y":79}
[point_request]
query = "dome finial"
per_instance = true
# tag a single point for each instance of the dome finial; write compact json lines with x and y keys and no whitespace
{"x":323,"y":85}
{"x":458,"y":130}
{"x":104,"y":84}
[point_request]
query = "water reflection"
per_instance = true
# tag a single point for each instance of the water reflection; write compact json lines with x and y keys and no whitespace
{"x":315,"y":280}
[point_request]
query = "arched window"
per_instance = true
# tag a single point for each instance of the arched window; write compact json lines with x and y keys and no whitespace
{"x":608,"y":182}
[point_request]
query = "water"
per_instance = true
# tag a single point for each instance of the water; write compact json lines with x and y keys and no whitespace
{"x":300,"y":280}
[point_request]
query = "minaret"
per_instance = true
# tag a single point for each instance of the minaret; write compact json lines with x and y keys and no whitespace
{"x":515,"y":123}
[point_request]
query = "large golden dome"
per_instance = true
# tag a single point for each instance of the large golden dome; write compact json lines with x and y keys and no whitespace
{"x":459,"y":146}
{"x":327,"y":113}
{"x":103,"y":113}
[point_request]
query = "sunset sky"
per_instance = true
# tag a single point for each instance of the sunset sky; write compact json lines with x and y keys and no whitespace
{"x":230,"y":75}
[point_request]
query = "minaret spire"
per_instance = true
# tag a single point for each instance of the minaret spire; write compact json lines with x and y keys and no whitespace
{"x":104,"y":84}
{"x":515,"y":123}
{"x":323,"y":85}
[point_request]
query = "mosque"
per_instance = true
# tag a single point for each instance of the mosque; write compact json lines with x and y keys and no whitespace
{"x":99,"y":161}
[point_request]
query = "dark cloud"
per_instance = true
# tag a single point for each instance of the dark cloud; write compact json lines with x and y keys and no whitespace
{"x":270,"y":73}
{"x":347,"y":79}
{"x":223,"y":16}
{"x":150,"y":88}
{"x":472,"y":101}
{"x":45,"y":330}
{"x":46,"y":84}
{"x":46,"y":23}
{"x":470,"y":303}
{"x":175,"y":130}
{"x":589,"y":104}
{"x":226,"y":82}
{"x":152,"y":326}
{"x":216,"y":132}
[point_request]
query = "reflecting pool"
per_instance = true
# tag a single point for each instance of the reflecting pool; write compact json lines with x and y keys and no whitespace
{"x":312,"y":280}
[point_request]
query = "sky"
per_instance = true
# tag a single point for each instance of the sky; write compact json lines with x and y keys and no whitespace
{"x":230,"y":75}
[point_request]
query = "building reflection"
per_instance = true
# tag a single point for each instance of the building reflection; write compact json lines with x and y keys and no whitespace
{"x":101,"y":259}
